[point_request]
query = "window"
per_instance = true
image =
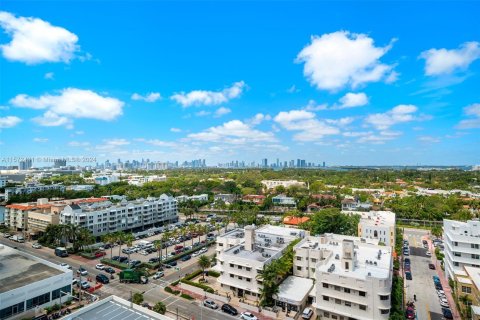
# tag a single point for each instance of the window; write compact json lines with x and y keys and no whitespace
{"x":248,"y":279}
{"x":455,"y":243}
{"x":239,"y":267}
{"x":348,"y":304}
{"x":337,"y":288}
{"x":384,"y":297}
{"x":346,"y":290}
{"x":326,"y":298}
{"x":299,"y":258}
{"x":338,"y":301}
{"x":326,"y":314}
{"x":334,"y":316}
{"x":299,"y":268}
{"x":475,"y":246}
{"x":39,"y":300}
{"x":12,"y":310}
{"x":362,"y":307}
{"x":240,"y":278}
{"x":220,"y":244}
{"x":384,"y":311}
{"x":466,"y":289}
{"x":475,"y":256}
{"x":248,"y":268}
{"x":456,"y":264}
{"x":457,"y":254}
{"x":325,"y":285}
{"x":232,"y":265}
{"x":362,"y":293}
{"x":314,"y":260}
{"x":313,"y":270}
{"x":231,"y":275}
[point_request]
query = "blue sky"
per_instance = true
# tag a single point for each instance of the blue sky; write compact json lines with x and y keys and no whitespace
{"x":341,"y":82}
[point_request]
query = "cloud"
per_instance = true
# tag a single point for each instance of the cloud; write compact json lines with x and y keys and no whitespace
{"x":399,"y":114}
{"x":208,"y":98}
{"x":221,"y":112}
{"x":36,"y":41}
{"x":310,"y":128}
{"x":293,"y":89}
{"x":40,"y":140}
{"x":112,"y":144}
{"x":428,"y":139}
{"x":341,"y":122}
{"x":232,"y":132}
{"x":472,"y":110}
{"x":258,"y":118}
{"x":49,"y":75}
{"x":157,"y":142}
{"x":71,"y":103}
{"x":444,"y":61}
{"x":343,"y":59}
{"x":78,"y":144}
{"x":150,"y":97}
{"x":379,"y":138}
{"x":202,"y":113}
{"x":352,"y":100}
{"x":9,"y":121}
{"x":51,"y":119}
{"x":313,"y":106}
{"x":175,"y":130}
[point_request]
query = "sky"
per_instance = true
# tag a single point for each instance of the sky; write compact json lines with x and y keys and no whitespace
{"x":348,"y":83}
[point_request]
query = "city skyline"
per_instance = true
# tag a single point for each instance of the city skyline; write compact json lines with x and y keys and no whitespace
{"x":227,"y":81}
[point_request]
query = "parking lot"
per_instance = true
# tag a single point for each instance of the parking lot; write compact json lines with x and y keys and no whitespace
{"x":422,"y":285}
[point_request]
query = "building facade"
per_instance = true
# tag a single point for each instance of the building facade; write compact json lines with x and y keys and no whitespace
{"x":32,"y":188}
{"x":272,"y":184}
{"x":125,"y":215}
{"x":462,"y":246}
{"x":353,"y":276}
{"x":379,"y":225}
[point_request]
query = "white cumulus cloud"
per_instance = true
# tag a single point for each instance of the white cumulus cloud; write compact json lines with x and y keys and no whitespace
{"x":71,"y":103}
{"x":473,"y":111}
{"x":343,"y":59}
{"x":309,"y":127}
{"x":352,"y":100}
{"x":233,"y":132}
{"x":9,"y":121}
{"x":150,"y":97}
{"x":208,"y":98}
{"x":79,"y":144}
{"x":399,"y":114}
{"x":36,"y":41}
{"x":51,"y":119}
{"x":175,"y":130}
{"x":221,"y":112}
{"x":444,"y":61}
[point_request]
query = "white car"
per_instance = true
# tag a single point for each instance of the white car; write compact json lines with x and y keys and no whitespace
{"x":65,"y":265}
{"x":196,"y":253}
{"x":444,"y":303}
{"x":158,"y":275}
{"x":36,"y":246}
{"x":307,"y":313}
{"x":247,"y":316}
{"x":203,"y":250}
{"x":210,"y":304}
{"x":100,"y":266}
{"x":143,"y":252}
{"x":428,"y":253}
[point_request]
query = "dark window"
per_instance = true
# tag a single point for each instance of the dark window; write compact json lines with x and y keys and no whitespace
{"x":384,"y":297}
{"x":37,"y":301}
{"x":12,"y":310}
{"x":384,"y":311}
{"x":337,"y":288}
{"x":362,"y":307}
{"x":338,"y":301}
{"x":326,"y":298}
{"x":346,"y":290}
{"x":348,"y":304}
{"x":362,"y":293}
{"x":325,"y":285}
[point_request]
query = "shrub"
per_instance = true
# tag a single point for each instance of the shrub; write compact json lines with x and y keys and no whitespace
{"x":137,"y":298}
{"x":88,"y":255}
{"x":186,"y":296}
{"x":198,"y":285}
{"x":114,"y":263}
{"x":160,"y":307}
{"x":214,"y":273}
{"x":175,"y":283}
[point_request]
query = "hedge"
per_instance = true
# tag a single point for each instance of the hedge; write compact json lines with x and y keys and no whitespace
{"x":213,"y":273}
{"x":175,"y":283}
{"x":114,"y":263}
{"x":87,"y":255}
{"x":170,"y":290}
{"x":192,"y":275}
{"x":186,"y":296}
{"x":181,"y":255}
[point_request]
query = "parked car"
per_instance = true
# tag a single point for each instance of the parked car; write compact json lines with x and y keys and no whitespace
{"x":158,"y":275}
{"x":247,"y":316}
{"x":447,"y":313}
{"x":84,"y":285}
{"x":410,"y":313}
{"x":82,"y":271}
{"x":431,"y":266}
{"x":229,"y":309}
{"x":115,"y":258}
{"x":36,"y":245}
{"x":307,"y":313}
{"x":102,"y":278}
{"x":109,"y":270}
{"x":65,"y":265}
{"x":408,"y":275}
{"x":210,"y":304}
{"x":436,"y":279}
{"x":123,"y":259}
{"x":186,"y":258}
{"x":444,"y":303}
{"x":100,"y":266}
{"x":428,"y":254}
{"x":173,"y":263}
{"x":99,"y":254}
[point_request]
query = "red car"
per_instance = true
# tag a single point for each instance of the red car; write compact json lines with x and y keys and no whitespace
{"x":410,"y":313}
{"x":178,"y":247}
{"x":99,"y":254}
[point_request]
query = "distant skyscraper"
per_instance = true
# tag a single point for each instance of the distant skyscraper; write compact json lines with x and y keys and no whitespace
{"x":57,"y":163}
{"x":323,"y":164}
{"x":25,"y":164}
{"x":265,"y":162}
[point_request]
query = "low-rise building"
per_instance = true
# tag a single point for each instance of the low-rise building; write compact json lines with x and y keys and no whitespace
{"x":378,"y":225}
{"x":28,"y":283}
{"x":283,"y":200}
{"x":104,"y":179}
{"x":32,"y":188}
{"x":272,"y":184}
{"x":225,"y":197}
{"x":196,"y":197}
{"x":254,"y":198}
{"x":462,"y":246}
{"x":3,"y":182}
{"x":81,"y":187}
{"x":351,"y":204}
{"x":125,"y":215}
{"x":141,"y":180}
{"x":240,"y":264}
{"x":295,"y":221}
{"x":467,"y":283}
{"x":229,"y":239}
{"x":353,"y":276}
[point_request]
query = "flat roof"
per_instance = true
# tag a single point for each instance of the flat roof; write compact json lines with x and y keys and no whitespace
{"x":115,"y":308}
{"x":474,"y":274}
{"x":294,"y":290}
{"x":18,"y":269}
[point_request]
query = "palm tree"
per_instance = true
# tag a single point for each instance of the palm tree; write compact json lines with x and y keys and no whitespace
{"x":109,"y":238}
{"x":204,"y":263}
{"x":158,"y":246}
{"x":73,"y":232}
{"x":160,"y":307}
{"x":128,"y":239}
{"x":119,"y":237}
{"x":166,"y":237}
{"x":85,"y":238}
{"x":191,"y":229}
{"x":183,"y":232}
{"x":218,"y":227}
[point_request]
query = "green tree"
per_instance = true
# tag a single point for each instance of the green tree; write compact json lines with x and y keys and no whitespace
{"x":160,"y":307}
{"x":437,"y":231}
{"x":128,"y":239}
{"x":204,"y":263}
{"x":137,"y":298}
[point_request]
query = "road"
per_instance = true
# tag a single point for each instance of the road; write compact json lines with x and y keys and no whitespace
{"x":427,"y":305}
{"x":153,"y":291}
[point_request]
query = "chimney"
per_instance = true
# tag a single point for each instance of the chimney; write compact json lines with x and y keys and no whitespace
{"x":249,"y":237}
{"x":348,"y":255}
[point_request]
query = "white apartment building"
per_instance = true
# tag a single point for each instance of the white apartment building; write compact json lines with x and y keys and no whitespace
{"x":378,"y":225}
{"x":3,"y":182}
{"x":272,"y":184}
{"x":197,"y":197}
{"x":462,"y":246}
{"x":125,"y":215}
{"x":282,"y":200}
{"x":104,"y":179}
{"x":229,"y":239}
{"x":353,"y":276}
{"x":140,"y":180}
{"x":225,"y":197}
{"x":29,"y":284}
{"x":32,"y":188}
{"x":240,"y":264}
